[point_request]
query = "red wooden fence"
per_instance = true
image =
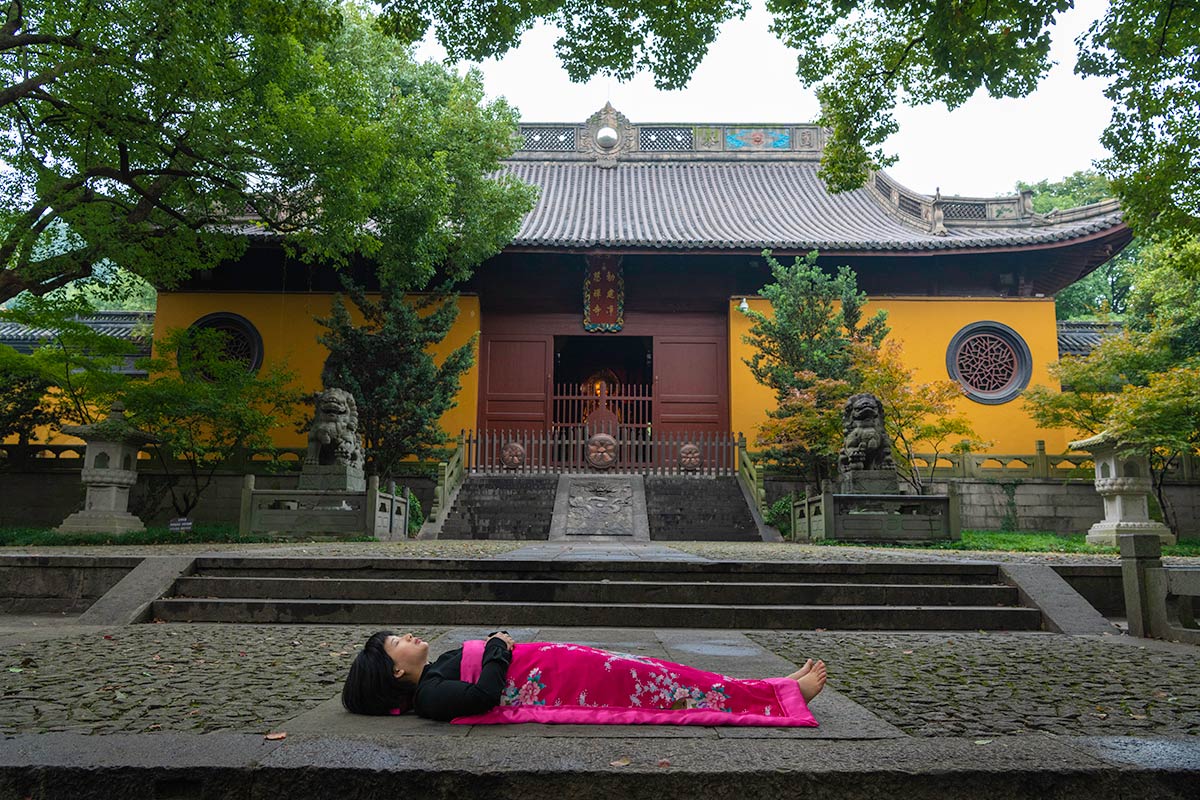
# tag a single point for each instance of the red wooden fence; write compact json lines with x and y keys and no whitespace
{"x":572,"y":450}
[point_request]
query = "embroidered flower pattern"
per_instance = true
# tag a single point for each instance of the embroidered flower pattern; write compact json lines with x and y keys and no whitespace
{"x":663,"y":689}
{"x":527,"y":694}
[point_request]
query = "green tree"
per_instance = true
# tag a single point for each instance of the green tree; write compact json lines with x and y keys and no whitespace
{"x":1080,"y":188}
{"x":804,"y":352}
{"x":23,"y":390}
{"x":144,"y":132}
{"x":205,"y":409}
{"x":919,"y":417}
{"x":866,"y":56}
{"x":385,"y":362}
{"x":1140,"y":386}
{"x":86,"y":370}
{"x":1105,"y":290}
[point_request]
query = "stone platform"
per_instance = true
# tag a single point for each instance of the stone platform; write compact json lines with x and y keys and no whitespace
{"x":182,"y":711}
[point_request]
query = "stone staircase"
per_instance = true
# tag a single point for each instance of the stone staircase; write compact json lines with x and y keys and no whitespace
{"x":698,"y":509}
{"x":664,"y":594}
{"x":502,"y":507}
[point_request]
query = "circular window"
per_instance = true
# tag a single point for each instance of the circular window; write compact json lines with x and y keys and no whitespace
{"x":242,"y":342}
{"x":991,"y":361}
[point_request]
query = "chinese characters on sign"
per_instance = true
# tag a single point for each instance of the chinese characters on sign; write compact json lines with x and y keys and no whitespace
{"x":604,"y":295}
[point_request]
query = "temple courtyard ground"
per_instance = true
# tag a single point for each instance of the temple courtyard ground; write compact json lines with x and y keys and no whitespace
{"x":232,"y":711}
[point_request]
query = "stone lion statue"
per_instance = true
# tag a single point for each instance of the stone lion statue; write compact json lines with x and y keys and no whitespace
{"x":866,"y":445}
{"x":333,"y":437}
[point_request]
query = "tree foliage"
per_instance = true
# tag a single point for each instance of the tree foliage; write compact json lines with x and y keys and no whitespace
{"x":1142,"y":385}
{"x":22,"y":393}
{"x":85,"y":369}
{"x":143,"y":133}
{"x":385,"y":362}
{"x":204,"y":409}
{"x":804,"y":352}
{"x":919,"y":417}
{"x":619,"y":38}
{"x":867,"y":56}
{"x":1106,"y":290}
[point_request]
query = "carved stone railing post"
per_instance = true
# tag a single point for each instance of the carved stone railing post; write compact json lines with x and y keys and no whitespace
{"x":1139,"y":552}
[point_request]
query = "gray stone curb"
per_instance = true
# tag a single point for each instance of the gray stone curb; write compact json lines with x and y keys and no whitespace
{"x":1063,"y":609}
{"x":129,"y":601}
{"x":237,"y":766}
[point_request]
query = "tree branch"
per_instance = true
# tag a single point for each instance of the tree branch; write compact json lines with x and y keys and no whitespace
{"x":10,"y":94}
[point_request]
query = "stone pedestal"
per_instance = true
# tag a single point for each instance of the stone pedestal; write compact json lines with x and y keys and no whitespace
{"x":1123,"y":482}
{"x":868,"y":481}
{"x":332,"y":478}
{"x":105,"y":509}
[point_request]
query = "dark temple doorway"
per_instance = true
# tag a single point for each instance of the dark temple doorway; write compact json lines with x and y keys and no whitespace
{"x":603,"y":384}
{"x":619,"y":360}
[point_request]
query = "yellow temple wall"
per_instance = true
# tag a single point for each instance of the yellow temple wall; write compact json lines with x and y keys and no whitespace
{"x":289,"y":333}
{"x":925,"y":326}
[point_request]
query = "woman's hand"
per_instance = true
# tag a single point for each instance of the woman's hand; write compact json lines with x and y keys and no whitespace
{"x":504,"y":637}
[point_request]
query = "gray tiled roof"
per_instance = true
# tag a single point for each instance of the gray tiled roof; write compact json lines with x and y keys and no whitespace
{"x":745,"y":205}
{"x":1081,"y":338}
{"x":131,"y":325}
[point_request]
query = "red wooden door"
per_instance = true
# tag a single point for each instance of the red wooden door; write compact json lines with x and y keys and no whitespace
{"x":515,"y":381}
{"x":690,"y":384}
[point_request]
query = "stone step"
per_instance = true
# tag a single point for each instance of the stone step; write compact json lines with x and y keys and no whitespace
{"x":603,"y":592}
{"x":681,"y":509}
{"x":742,"y":617}
{"x":659,"y":571}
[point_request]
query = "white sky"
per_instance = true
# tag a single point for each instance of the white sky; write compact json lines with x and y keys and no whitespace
{"x":982,"y":148}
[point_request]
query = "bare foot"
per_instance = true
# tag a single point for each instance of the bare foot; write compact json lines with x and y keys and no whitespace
{"x":800,"y":673}
{"x":813,"y":681}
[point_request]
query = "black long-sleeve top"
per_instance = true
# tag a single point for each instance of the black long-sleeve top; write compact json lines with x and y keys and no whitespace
{"x":443,"y":695}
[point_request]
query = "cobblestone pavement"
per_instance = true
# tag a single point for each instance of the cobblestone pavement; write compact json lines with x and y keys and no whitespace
{"x":414,"y":548}
{"x":720,"y":551}
{"x":790,"y":551}
{"x":195,"y":678}
{"x":993,"y":684}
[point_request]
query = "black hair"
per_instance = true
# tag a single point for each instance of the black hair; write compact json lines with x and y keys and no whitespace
{"x":372,"y":686}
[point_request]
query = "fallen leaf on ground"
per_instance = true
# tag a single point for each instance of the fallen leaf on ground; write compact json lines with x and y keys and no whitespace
{"x":620,"y":762}
{"x":662,"y":762}
{"x":276,"y":736}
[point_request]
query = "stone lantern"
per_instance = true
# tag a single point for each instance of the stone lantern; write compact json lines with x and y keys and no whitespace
{"x":109,"y":470}
{"x":1124,"y":484}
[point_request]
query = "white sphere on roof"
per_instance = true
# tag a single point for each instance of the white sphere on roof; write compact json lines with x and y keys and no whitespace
{"x":606,"y":137}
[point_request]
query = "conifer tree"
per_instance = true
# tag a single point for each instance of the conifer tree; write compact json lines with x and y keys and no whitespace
{"x":805,"y":353}
{"x":385,"y":362}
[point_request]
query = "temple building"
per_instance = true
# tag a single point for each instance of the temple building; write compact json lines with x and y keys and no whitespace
{"x":630,"y":275}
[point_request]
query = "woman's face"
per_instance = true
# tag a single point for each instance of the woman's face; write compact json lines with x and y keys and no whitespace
{"x":409,"y":655}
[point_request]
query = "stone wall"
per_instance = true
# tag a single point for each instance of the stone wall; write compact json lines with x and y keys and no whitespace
{"x":43,"y":499}
{"x":1027,"y":504}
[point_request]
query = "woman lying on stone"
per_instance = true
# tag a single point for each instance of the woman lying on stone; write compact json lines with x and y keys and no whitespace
{"x":497,"y":680}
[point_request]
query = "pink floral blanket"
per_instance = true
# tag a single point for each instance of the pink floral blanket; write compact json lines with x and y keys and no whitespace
{"x":571,"y":683}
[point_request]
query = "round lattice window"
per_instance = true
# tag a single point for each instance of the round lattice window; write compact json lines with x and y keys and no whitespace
{"x":990,"y":360}
{"x":241,"y":342}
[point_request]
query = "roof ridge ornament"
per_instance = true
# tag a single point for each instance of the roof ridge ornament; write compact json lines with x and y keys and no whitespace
{"x":937,"y":222}
{"x":606,"y":135}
